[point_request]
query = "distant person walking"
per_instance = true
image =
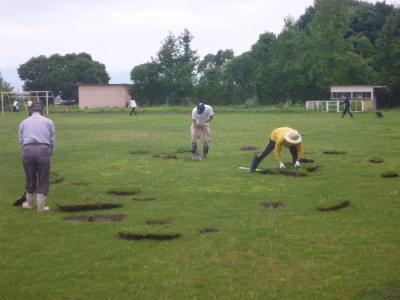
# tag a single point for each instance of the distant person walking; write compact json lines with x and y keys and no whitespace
{"x":37,"y":138}
{"x":281,"y":137}
{"x":16,"y":106}
{"x":202,"y":115}
{"x":133,"y":106}
{"x":346,"y":103}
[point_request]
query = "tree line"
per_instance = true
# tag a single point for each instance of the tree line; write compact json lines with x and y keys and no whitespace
{"x":335,"y":42}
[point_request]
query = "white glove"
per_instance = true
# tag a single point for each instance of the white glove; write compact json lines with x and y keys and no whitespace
{"x":297,"y":164}
{"x":281,"y":165}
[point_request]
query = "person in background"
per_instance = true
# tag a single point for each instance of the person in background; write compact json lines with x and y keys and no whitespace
{"x":133,"y":106}
{"x":281,"y":137}
{"x":202,"y":115}
{"x":16,"y":106}
{"x":346,"y":103}
{"x":37,"y":138}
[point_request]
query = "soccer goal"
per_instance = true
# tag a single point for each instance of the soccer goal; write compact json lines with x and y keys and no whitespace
{"x":10,"y":101}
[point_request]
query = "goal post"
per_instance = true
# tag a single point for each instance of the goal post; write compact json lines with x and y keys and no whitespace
{"x":24,"y":99}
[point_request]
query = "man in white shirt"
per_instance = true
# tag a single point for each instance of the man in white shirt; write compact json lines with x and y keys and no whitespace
{"x":202,"y":115}
{"x":132,"y":105}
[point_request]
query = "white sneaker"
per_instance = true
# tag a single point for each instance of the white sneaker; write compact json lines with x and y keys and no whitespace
{"x":44,"y":209}
{"x":26,"y":205}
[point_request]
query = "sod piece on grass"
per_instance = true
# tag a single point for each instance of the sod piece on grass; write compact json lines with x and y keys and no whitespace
{"x":338,"y":206}
{"x":86,"y":207}
{"x":248,"y":148}
{"x":159,"y":222}
{"x":123,"y":191}
{"x":55,"y":177}
{"x":273,"y":205}
{"x":390,"y":174}
{"x":334,"y":152}
{"x":209,"y":230}
{"x":311,"y":167}
{"x":96,"y":218}
{"x":147,"y":236}
{"x":376,"y":160}
{"x":306,"y":160}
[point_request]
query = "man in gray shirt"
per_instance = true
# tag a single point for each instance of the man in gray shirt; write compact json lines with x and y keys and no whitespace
{"x":37,"y":138}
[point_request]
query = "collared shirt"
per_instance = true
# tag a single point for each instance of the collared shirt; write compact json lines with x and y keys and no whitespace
{"x":37,"y":130}
{"x":202,"y":119}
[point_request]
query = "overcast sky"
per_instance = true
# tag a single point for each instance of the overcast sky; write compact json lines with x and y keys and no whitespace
{"x":124,"y":33}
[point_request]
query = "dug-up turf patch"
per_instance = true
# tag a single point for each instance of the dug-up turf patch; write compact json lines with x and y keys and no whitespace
{"x":284,"y":172}
{"x":147,"y":236}
{"x":96,"y":218}
{"x":138,"y":152}
{"x":390,"y":174}
{"x":338,"y":206}
{"x":306,"y":160}
{"x":311,"y":167}
{"x":376,"y":160}
{"x":55,"y":177}
{"x":273,"y":205}
{"x":123,"y":191}
{"x":248,"y":148}
{"x":165,"y":155}
{"x":86,"y":207}
{"x":143,"y":199}
{"x":335,"y":152}
{"x":209,"y":230}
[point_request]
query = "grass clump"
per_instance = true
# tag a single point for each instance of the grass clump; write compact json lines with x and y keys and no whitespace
{"x":337,"y":206}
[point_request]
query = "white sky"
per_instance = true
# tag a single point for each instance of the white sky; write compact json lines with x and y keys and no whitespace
{"x":124,"y":33}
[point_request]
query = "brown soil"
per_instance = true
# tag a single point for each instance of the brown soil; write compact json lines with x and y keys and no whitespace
{"x":389,"y":174}
{"x":341,"y":205}
{"x":149,"y":236}
{"x":273,"y":205}
{"x":96,"y":218}
{"x":143,"y":199}
{"x":158,"y":222}
{"x":123,"y":191}
{"x":334,"y":152}
{"x":209,"y":230}
{"x":86,"y":207}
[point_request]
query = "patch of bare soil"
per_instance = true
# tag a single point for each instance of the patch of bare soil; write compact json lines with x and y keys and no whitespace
{"x":285,"y":172}
{"x":338,"y":206}
{"x":123,"y":191}
{"x":248,"y":148}
{"x":376,"y":160}
{"x":334,"y":152}
{"x":86,"y":207}
{"x":273,"y":205}
{"x":209,"y":230}
{"x":390,"y":174}
{"x":143,"y":199}
{"x":147,"y":236}
{"x":96,"y":218}
{"x":159,"y":222}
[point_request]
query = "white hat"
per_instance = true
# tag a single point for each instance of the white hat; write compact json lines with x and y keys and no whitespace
{"x":293,"y":137}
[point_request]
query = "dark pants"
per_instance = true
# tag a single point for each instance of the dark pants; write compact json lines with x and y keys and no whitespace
{"x":347,"y":110}
{"x":267,"y":150}
{"x":133,"y":110}
{"x":36,"y":161}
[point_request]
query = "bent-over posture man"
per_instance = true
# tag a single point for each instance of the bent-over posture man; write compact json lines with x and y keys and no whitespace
{"x":281,"y":137}
{"x":37,"y":138}
{"x":202,"y":115}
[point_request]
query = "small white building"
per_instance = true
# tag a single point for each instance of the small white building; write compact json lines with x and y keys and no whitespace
{"x":364,"y":93}
{"x":103,"y":95}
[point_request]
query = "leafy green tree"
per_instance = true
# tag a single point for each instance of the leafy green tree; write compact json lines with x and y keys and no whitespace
{"x":211,"y":85}
{"x":388,"y":56}
{"x":62,"y":73}
{"x":4,"y":85}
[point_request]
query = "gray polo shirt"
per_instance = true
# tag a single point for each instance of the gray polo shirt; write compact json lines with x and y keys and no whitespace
{"x":37,"y":130}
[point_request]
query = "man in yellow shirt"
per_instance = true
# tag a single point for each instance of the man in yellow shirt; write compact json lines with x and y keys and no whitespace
{"x":282,"y":137}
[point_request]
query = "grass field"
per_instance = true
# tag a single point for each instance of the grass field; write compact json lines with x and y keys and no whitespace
{"x":293,"y":252}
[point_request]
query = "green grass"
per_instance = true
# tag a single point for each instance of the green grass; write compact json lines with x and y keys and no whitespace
{"x":295,"y":252}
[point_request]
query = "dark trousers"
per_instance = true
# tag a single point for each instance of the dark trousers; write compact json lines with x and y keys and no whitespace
{"x":133,"y":110}
{"x":347,"y":110}
{"x":36,"y":161}
{"x":267,"y":150}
